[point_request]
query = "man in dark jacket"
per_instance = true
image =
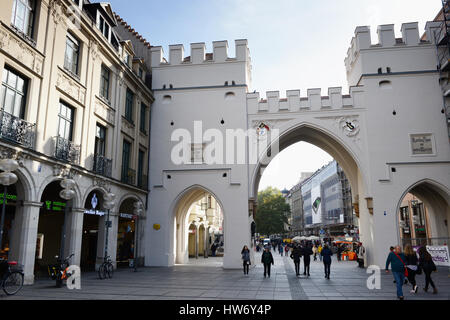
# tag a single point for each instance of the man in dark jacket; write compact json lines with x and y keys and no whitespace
{"x":296,"y":255}
{"x":397,"y":260}
{"x":326,"y":254}
{"x":267,"y":260}
{"x":306,"y":252}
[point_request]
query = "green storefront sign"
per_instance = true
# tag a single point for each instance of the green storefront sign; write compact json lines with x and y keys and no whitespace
{"x":54,"y":205}
{"x":9,"y":197}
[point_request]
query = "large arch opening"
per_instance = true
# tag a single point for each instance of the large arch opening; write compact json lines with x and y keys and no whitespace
{"x":50,"y":226}
{"x":334,"y":188}
{"x":424,"y":214}
{"x":198,"y":228}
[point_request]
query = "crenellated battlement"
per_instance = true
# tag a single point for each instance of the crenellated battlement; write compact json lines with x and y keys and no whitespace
{"x":314,"y":101}
{"x":386,"y":38}
{"x":198,"y":54}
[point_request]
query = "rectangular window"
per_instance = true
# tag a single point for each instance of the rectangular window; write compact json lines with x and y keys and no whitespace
{"x":72,"y":54}
{"x":23,"y":16}
{"x":104,"y":27}
{"x":65,"y":125}
{"x":126,"y":153}
{"x":129,"y":105}
{"x":13,"y":93}
{"x":141,"y":168}
{"x":143,"y":118}
{"x":100,"y":140}
{"x":104,"y":83}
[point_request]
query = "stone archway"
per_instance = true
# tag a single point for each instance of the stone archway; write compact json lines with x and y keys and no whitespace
{"x":436,"y":212}
{"x":345,"y":154}
{"x":183,"y":235}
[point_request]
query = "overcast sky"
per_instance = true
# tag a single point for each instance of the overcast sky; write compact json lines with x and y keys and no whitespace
{"x":294,"y":44}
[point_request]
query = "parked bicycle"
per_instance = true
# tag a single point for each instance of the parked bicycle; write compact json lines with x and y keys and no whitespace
{"x":11,"y":276}
{"x":59,"y":271}
{"x":106,"y":269}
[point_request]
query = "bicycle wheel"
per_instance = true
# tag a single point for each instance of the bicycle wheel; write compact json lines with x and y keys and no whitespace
{"x":13,"y":283}
{"x":102,"y":271}
{"x":109,"y":269}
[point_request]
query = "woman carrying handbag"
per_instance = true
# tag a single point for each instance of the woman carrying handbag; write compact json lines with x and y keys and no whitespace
{"x":411,"y":262}
{"x":428,"y":266}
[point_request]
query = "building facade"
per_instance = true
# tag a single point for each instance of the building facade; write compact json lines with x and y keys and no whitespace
{"x":75,"y":103}
{"x":327,"y":202}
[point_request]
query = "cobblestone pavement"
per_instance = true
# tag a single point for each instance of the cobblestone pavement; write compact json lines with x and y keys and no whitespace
{"x":204,"y":279}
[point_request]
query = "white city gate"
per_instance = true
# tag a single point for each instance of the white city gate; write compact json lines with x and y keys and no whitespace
{"x":389,"y":135}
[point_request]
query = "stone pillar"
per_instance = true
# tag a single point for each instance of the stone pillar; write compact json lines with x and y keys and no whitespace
{"x":74,"y":234}
{"x":23,"y":246}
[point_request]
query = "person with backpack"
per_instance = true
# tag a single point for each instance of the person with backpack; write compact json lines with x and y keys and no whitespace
{"x":428,"y":266}
{"x":245,"y":253}
{"x":412,"y":266}
{"x":267,"y":260}
{"x":306,"y":252}
{"x":326,"y":255}
{"x":296,"y":255}
{"x":397,"y":260}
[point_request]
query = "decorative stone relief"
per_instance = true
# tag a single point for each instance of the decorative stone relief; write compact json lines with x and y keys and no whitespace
{"x":20,"y":50}
{"x":70,"y":87}
{"x":105,"y":112}
{"x":347,"y":126}
{"x":127,"y":127}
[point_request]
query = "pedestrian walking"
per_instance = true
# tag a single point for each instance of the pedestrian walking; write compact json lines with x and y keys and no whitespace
{"x":326,"y":254}
{"x":314,"y":250}
{"x":338,"y":252}
{"x":397,"y":260}
{"x":213,"y":249}
{"x":296,"y":255}
{"x":361,"y":255}
{"x":412,"y":266}
{"x":319,"y":250}
{"x":306,"y":253}
{"x":280,"y":249}
{"x":286,"y":250}
{"x":427,"y":265}
{"x":245,"y":253}
{"x":267,"y":260}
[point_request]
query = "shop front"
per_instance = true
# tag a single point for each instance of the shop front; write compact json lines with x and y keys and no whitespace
{"x":51,"y":221}
{"x":126,"y":234}
{"x":91,"y":244}
{"x":125,"y":239}
{"x":10,"y":213}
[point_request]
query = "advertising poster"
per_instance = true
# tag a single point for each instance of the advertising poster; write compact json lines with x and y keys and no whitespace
{"x":316,"y":202}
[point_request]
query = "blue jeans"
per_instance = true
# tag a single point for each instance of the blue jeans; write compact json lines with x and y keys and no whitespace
{"x":399,"y":280}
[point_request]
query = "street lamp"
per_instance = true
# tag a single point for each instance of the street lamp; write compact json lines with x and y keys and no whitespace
{"x":138,"y":209}
{"x":7,"y":178}
{"x":67,"y":194}
{"x":108,"y":204}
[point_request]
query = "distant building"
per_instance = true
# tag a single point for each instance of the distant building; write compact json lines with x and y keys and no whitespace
{"x":321,"y":200}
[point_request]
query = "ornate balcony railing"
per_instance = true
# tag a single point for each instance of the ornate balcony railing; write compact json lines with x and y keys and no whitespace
{"x":67,"y":150}
{"x":102,"y":165}
{"x":17,"y":130}
{"x":142,"y":181}
{"x":129,"y":176}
